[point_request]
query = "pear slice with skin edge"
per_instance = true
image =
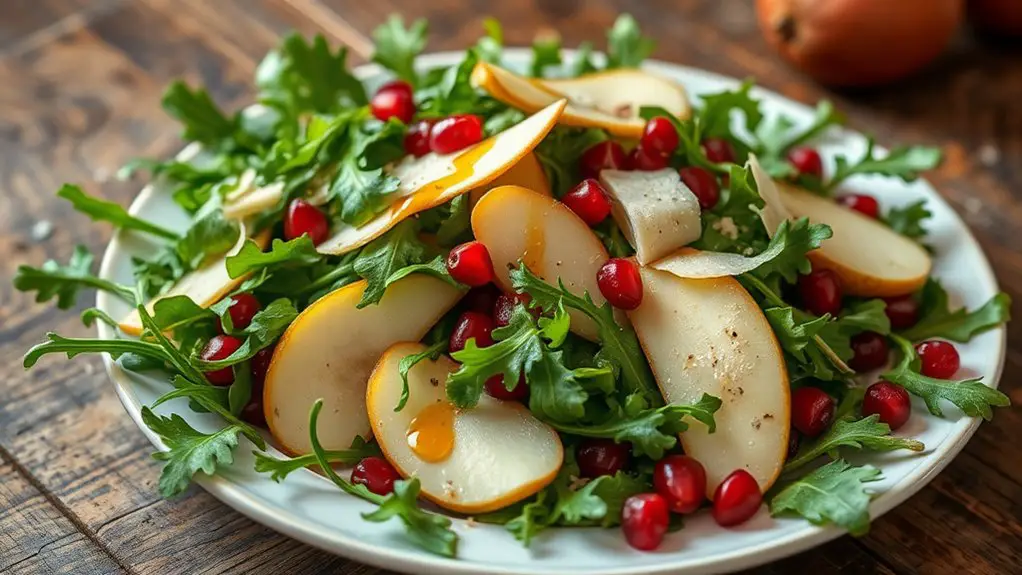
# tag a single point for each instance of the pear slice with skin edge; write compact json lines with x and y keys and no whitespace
{"x":204,"y":286}
{"x":709,"y":336}
{"x":497,"y":453}
{"x":555,"y":244}
{"x":433,"y":180}
{"x":329,"y":352}
{"x":527,"y":173}
{"x":610,"y":100}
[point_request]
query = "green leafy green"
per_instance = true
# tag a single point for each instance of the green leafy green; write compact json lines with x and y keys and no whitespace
{"x":583,"y":62}
{"x":904,"y":162}
{"x":208,"y":237}
{"x":396,"y":47}
{"x":361,"y":183}
{"x":865,"y":433}
{"x":714,"y":116}
{"x":908,"y":221}
{"x":490,"y":47}
{"x":560,"y":151}
{"x":833,"y":494}
{"x":788,"y":248}
{"x":937,"y":320}
{"x":780,"y":136}
{"x":267,"y":326}
{"x":251,"y":258}
{"x":393,"y":256}
{"x":409,"y":361}
{"x":202,"y":119}
{"x":62,"y":282}
{"x":626,"y":46}
{"x":190,"y":451}
{"x":74,"y":346}
{"x":90,"y":315}
{"x":104,"y":211}
{"x":301,"y":77}
{"x":546,"y":52}
{"x":279,"y":469}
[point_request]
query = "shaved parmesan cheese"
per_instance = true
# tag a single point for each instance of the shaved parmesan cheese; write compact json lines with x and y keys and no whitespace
{"x":696,"y":264}
{"x":774,"y":212}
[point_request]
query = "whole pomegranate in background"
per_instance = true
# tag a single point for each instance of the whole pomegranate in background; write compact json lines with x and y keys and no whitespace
{"x":859,"y":42}
{"x":997,"y":16}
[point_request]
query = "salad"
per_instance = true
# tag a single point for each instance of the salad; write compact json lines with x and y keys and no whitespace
{"x":560,"y":296}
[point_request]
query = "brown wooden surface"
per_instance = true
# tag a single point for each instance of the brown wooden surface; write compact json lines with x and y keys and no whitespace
{"x":80,"y":83}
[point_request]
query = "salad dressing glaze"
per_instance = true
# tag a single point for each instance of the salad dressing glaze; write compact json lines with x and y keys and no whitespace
{"x":430,"y":433}
{"x":464,"y":168}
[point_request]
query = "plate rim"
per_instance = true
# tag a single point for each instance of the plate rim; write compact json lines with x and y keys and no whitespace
{"x":411,"y":561}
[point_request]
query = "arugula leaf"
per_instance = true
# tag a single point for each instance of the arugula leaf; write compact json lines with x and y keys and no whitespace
{"x":908,"y":221}
{"x":73,"y":346}
{"x":559,"y":153}
{"x":546,"y":52}
{"x":251,"y":258}
{"x":452,"y":92}
{"x":457,"y":223}
{"x":53,"y":280}
{"x":583,"y":62}
{"x":202,"y":119}
{"x":279,"y":469}
{"x":104,"y":211}
{"x":835,"y":493}
{"x":300,"y":77}
{"x":865,"y":433}
{"x":190,"y":452}
{"x":396,"y":47}
{"x":180,"y":363}
{"x":90,"y":315}
{"x":385,"y":256}
{"x":788,"y":249}
{"x":626,"y":46}
{"x":715,"y":115}
{"x":868,"y":315}
{"x":903,"y":162}
{"x":190,"y":323}
{"x":361,"y":184}
{"x":268,"y":324}
{"x":969,"y":395}
{"x":780,"y":136}
{"x":208,"y":237}
{"x":937,"y":319}
{"x":409,"y":361}
{"x":794,"y":332}
{"x":490,"y":47}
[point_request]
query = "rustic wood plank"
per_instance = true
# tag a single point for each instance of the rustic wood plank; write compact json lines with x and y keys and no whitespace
{"x":26,"y":23}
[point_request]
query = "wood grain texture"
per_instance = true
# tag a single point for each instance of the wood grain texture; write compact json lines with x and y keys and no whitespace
{"x":80,"y":84}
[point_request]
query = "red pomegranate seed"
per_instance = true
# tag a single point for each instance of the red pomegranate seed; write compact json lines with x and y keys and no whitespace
{"x":821,"y":292}
{"x":938,"y":359}
{"x":812,"y":410}
{"x":471,"y":325}
{"x":869,"y":350}
{"x":589,"y":201}
{"x":304,"y":218}
{"x":495,"y":388}
{"x":470,"y":264}
{"x":703,"y":184}
{"x":718,"y":150}
{"x":481,"y":299}
{"x":641,"y":159}
{"x":393,"y":100}
{"x":607,"y":155}
{"x":865,"y":205}
{"x":794,"y":442}
{"x":659,"y":137}
{"x":242,"y":310}
{"x":903,"y":311}
{"x":417,"y":138}
{"x":376,"y":473}
{"x":736,"y":499}
{"x":455,"y":133}
{"x":644,"y":520}
{"x":806,"y":161}
{"x":620,"y":283}
{"x":890,"y":400}
{"x":681,"y":480}
{"x":505,"y":306}
{"x":260,"y":364}
{"x":598,"y":457}
{"x":220,"y":347}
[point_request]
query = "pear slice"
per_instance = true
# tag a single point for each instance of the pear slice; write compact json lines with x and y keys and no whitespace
{"x":433,"y":180}
{"x":870,"y":259}
{"x":656,"y":212}
{"x":709,"y":336}
{"x":329,"y":351}
{"x":774,"y":210}
{"x":699,"y":264}
{"x":610,"y":100}
{"x":518,"y":224}
{"x":527,"y":173}
{"x":469,"y":461}
{"x":204,"y":286}
{"x":246,"y":199}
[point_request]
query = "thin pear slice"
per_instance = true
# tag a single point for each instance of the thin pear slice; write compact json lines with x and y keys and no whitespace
{"x":699,"y":264}
{"x":205,"y":286}
{"x":469,"y":461}
{"x":709,"y":336}
{"x":329,"y":351}
{"x":870,"y":259}
{"x":527,"y":173}
{"x":518,"y":224}
{"x":247,"y":199}
{"x":774,"y":209}
{"x":433,"y":180}
{"x":609,"y":100}
{"x":657,"y":213}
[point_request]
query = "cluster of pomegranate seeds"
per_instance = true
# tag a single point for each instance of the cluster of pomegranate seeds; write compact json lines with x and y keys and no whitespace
{"x":681,"y":480}
{"x":303,"y":218}
{"x":589,"y":201}
{"x":455,"y":133}
{"x":889,"y":400}
{"x":220,"y":347}
{"x":820,"y":291}
{"x":471,"y":325}
{"x":596,"y":457}
{"x":376,"y":473}
{"x":620,"y":283}
{"x":417,"y":138}
{"x":505,"y":306}
{"x":938,"y":359}
{"x":470,"y":264}
{"x":644,"y":520}
{"x":718,"y":150}
{"x":393,"y":100}
{"x":495,"y":388}
{"x":865,"y":205}
{"x":903,"y":311}
{"x":243,"y":308}
{"x":869,"y":351}
{"x":806,"y":161}
{"x":481,"y":299}
{"x":736,"y":499}
{"x":646,"y":161}
{"x":812,"y":410}
{"x":607,"y":155}
{"x":703,"y":185}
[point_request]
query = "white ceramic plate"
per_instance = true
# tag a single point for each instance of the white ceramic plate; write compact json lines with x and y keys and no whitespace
{"x":309,"y":508}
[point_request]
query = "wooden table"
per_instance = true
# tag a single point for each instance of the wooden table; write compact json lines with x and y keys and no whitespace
{"x":80,"y":84}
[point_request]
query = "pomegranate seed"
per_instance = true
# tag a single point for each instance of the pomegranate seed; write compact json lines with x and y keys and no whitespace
{"x":718,"y":150}
{"x":640,"y":159}
{"x":681,"y":480}
{"x":820,"y":292}
{"x":455,"y":133}
{"x":903,"y":311}
{"x":794,"y":442}
{"x":393,"y":100}
{"x":620,"y":283}
{"x":220,"y":347}
{"x":938,"y":359}
{"x":470,"y":264}
{"x":644,"y":520}
{"x":303,"y":218}
{"x":598,"y":457}
{"x":736,"y":499}
{"x":889,"y":400}
{"x":471,"y":325}
{"x":376,"y":473}
{"x":495,"y":388}
{"x":607,"y":155}
{"x":417,"y":138}
{"x":481,"y":299}
{"x":505,"y":306}
{"x":702,"y":183}
{"x":589,"y":201}
{"x":807,"y":162}
{"x":242,"y":310}
{"x":865,"y":205}
{"x":812,"y":410}
{"x":260,"y":364}
{"x":659,"y":137}
{"x":869,"y":350}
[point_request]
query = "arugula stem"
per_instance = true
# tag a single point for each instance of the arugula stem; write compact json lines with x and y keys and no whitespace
{"x":328,"y":278}
{"x":172,"y":353}
{"x":74,"y":347}
{"x":122,"y":291}
{"x":324,"y":463}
